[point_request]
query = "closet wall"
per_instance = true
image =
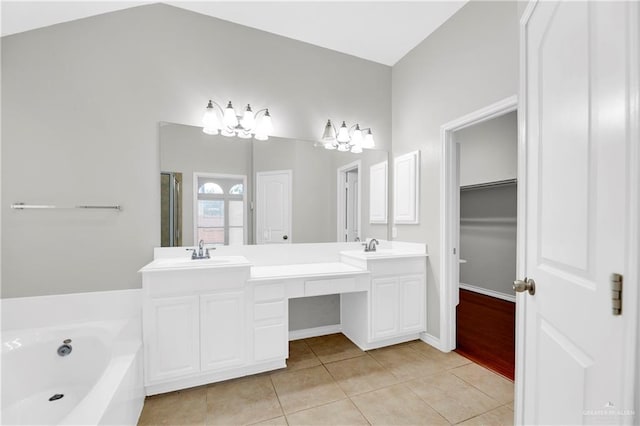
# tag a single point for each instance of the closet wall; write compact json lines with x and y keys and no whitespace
{"x":488,"y":237}
{"x":488,"y":167}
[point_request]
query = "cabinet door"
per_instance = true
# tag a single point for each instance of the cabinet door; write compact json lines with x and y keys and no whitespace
{"x":222,"y":320}
{"x":384,"y":307}
{"x":270,"y":342}
{"x":174,"y":335}
{"x":412,"y":304}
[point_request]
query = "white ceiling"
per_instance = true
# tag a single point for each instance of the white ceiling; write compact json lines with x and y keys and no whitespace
{"x":380,"y":31}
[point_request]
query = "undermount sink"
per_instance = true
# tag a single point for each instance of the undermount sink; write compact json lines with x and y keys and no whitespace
{"x":189,"y":263}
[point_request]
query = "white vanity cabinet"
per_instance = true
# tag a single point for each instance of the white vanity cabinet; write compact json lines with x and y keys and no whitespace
{"x":222,"y":330}
{"x":172,"y":337}
{"x":194,"y":325}
{"x":397,"y":306}
{"x":394,"y":310}
{"x":269,"y":319}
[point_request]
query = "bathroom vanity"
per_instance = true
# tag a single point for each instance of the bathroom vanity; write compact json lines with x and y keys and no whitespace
{"x":209,"y":320}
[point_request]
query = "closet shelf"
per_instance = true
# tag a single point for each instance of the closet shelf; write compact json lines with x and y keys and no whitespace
{"x":489,"y":184}
{"x":489,"y":220}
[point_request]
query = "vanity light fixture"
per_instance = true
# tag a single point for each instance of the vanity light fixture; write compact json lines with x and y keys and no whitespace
{"x":346,"y":138}
{"x":228,"y":123}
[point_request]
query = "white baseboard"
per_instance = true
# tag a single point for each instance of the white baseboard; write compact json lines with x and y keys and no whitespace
{"x":314,"y":332}
{"x":433,"y":341}
{"x":487,"y":292}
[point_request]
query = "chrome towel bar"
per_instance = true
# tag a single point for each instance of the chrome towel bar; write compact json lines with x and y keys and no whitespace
{"x":23,"y":206}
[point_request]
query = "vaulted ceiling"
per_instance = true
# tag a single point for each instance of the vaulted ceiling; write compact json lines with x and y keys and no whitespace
{"x":379,"y":31}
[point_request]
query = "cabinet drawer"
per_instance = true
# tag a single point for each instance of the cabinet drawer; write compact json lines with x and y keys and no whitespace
{"x":269,"y":310}
{"x":262,"y":292}
{"x":329,"y":286}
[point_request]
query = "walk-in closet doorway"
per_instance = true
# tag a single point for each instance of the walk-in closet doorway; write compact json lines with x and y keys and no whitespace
{"x":481,"y":229}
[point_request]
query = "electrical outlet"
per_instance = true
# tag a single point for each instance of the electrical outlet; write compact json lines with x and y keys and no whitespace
{"x":394,"y":232}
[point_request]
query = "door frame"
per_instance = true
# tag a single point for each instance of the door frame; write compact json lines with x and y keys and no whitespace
{"x":448,"y":206}
{"x":340,"y":202}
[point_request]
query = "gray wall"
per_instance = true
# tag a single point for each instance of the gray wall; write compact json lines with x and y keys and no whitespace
{"x":468,"y":63}
{"x":81,"y":102}
{"x":488,"y":237}
{"x":489,"y":150}
{"x":186,"y":149}
{"x":313,"y":198}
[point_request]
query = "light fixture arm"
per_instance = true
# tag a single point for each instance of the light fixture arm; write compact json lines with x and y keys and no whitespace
{"x":212,"y":103}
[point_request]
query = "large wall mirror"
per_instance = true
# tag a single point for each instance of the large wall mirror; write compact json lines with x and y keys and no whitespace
{"x":229,"y":191}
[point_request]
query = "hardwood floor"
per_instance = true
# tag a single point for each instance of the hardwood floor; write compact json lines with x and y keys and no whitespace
{"x":486,"y":331}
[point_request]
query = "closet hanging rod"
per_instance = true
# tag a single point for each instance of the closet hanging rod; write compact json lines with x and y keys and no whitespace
{"x":23,"y":206}
{"x":489,"y":184}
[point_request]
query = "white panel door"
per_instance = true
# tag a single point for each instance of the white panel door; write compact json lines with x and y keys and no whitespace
{"x":412,"y":304}
{"x":384,"y":307}
{"x":174,"y":348}
{"x":578,"y":221}
{"x":222,"y":321}
{"x":273,"y":207}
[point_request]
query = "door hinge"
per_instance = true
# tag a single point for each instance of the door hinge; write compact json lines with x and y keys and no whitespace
{"x":616,"y":294}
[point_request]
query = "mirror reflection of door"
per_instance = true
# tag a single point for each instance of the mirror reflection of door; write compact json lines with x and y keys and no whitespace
{"x":348,"y":202}
{"x":170,"y":209}
{"x":351,"y":205}
{"x":220,"y":209}
{"x":273,"y":207}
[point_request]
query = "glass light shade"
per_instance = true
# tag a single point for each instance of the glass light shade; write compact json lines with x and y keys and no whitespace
{"x":329,"y":133}
{"x":343,"y":134}
{"x":210,"y":121}
{"x":244,"y":134}
{"x":356,"y":149}
{"x":230,"y":119}
{"x":261,"y":137}
{"x":227,"y":133}
{"x":356,"y":138}
{"x":330,"y":145}
{"x":266,"y":125}
{"x":368,"y":140}
{"x":343,"y":147}
{"x":248,"y":120}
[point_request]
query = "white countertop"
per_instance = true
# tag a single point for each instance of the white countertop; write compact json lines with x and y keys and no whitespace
{"x":304,"y":270}
{"x":181,"y":263}
{"x":383,"y":253}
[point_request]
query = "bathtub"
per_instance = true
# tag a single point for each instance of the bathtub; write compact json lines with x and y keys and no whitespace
{"x":99,"y":380}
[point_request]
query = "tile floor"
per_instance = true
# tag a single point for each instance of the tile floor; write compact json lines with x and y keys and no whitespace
{"x":329,"y":381}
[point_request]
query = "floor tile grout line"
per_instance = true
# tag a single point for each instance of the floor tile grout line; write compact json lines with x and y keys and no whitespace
{"x":476,"y":387}
{"x":359,"y":410}
{"x":316,"y":406}
{"x":273,"y":385}
{"x":481,"y":414}
{"x":430,"y":406}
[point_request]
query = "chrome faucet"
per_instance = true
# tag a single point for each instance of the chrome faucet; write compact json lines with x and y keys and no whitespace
{"x":201,"y":252}
{"x":371,"y":245}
